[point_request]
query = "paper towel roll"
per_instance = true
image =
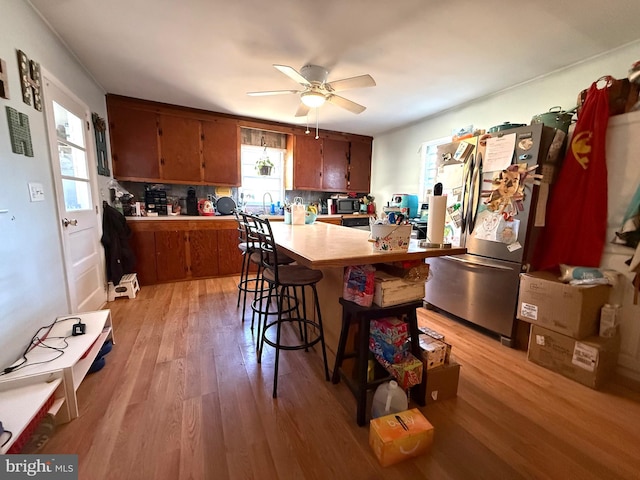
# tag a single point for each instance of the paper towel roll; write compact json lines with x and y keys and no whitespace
{"x":437,"y":213}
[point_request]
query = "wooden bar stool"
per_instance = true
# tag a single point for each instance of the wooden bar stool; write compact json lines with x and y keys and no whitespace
{"x":285,"y":282}
{"x":353,"y":313}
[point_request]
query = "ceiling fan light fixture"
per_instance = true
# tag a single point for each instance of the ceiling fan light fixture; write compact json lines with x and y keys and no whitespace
{"x":312,"y":99}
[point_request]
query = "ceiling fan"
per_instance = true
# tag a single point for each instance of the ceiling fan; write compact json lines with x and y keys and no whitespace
{"x":316,"y":90}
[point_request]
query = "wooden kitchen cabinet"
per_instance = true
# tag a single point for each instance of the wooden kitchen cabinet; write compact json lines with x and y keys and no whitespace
{"x":221,"y":153}
{"x":204,"y":253}
{"x":171,"y":259}
{"x":180,"y":149}
{"x":331,"y":164}
{"x":171,"y":250}
{"x":143,"y":244}
{"x":335,"y":161}
{"x":307,"y":157}
{"x":360,"y":167}
{"x":134,"y":142}
{"x":153,"y":142}
{"x":230,"y":257}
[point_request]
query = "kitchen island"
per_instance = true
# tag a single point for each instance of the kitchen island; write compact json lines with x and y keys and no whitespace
{"x":330,"y":248}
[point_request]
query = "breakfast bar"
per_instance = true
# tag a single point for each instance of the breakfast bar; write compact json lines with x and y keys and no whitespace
{"x":330,"y":248}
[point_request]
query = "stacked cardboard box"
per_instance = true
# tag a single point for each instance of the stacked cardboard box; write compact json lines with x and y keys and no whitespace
{"x":440,"y":371}
{"x":564,"y":328}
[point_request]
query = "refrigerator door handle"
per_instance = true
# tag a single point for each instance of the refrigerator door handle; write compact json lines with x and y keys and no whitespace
{"x":466,"y":192}
{"x":474,"y":198}
{"x":475,"y":264}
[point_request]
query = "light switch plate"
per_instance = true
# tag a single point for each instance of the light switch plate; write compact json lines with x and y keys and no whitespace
{"x":36,"y":192}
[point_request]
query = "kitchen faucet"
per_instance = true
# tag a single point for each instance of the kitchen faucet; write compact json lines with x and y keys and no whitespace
{"x":264,"y":203}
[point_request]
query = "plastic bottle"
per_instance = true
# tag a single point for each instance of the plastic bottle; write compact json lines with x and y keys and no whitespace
{"x":609,"y":320}
{"x":389,"y":398}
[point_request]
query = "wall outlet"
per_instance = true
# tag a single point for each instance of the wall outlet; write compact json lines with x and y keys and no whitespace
{"x":36,"y":192}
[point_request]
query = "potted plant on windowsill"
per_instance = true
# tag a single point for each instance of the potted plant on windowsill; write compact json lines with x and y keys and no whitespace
{"x":264,"y":166}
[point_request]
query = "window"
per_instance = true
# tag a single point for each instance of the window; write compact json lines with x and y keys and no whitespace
{"x":73,"y":159}
{"x":256,"y":188}
{"x":429,"y":173}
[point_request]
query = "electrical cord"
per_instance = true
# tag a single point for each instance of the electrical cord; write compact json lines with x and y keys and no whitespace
{"x":36,"y":341}
{"x":2,"y":432}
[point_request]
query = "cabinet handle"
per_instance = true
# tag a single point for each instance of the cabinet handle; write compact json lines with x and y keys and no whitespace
{"x":162,"y":161}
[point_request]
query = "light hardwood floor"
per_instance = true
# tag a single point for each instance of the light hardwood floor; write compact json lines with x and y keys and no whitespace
{"x":182,"y":397}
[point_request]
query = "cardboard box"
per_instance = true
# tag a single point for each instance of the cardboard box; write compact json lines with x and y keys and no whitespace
{"x":391,"y":330}
{"x":442,"y":382}
{"x":591,"y":361}
{"x":407,"y":372}
{"x":431,"y":333}
{"x":400,"y":436}
{"x":391,"y":353}
{"x":390,"y":290}
{"x":572,"y":310}
{"x":434,"y":352}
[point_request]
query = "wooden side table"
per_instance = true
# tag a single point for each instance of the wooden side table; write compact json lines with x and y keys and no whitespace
{"x":353,"y":313}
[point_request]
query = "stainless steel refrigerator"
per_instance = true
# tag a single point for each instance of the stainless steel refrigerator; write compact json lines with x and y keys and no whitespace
{"x":500,"y":199}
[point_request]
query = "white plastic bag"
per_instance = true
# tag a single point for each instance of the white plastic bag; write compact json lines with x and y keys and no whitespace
{"x":297,"y":212}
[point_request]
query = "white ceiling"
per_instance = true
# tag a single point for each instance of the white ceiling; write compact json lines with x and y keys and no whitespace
{"x":425,"y":55}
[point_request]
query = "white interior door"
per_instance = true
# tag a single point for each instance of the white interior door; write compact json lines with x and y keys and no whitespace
{"x":73,"y":166}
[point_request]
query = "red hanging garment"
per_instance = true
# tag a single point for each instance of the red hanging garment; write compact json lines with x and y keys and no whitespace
{"x":576,"y":223}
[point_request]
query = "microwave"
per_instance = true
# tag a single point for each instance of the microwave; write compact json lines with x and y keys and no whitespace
{"x":347,"y":205}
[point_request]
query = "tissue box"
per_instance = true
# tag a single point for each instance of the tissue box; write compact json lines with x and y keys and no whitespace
{"x":400,"y":436}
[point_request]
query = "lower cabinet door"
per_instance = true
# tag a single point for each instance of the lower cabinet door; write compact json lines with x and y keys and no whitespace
{"x":203,"y":253}
{"x":229,"y":256}
{"x":171,"y":258}
{"x":143,"y":244}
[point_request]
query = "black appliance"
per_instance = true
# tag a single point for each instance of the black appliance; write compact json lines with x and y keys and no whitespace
{"x":192,"y":202}
{"x":361,"y":223}
{"x":482,"y":285}
{"x":155,"y":201}
{"x":347,"y":205}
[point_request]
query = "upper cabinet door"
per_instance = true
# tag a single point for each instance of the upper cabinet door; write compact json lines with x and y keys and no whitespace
{"x":134,"y":142}
{"x":360,"y":167}
{"x":221,"y":153}
{"x":307,"y":158}
{"x":180,"y":149}
{"x":335,"y":161}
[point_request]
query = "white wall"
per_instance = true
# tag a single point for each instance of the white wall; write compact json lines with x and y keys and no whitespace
{"x":396,"y":157}
{"x":32,"y":279}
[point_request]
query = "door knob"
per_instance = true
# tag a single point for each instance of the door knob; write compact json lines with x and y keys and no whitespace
{"x":66,"y":222}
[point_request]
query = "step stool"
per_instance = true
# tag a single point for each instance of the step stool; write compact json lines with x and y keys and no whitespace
{"x":127,"y":287}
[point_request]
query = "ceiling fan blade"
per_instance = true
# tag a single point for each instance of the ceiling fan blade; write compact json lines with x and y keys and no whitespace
{"x":302,"y":111}
{"x":342,"y":102}
{"x":272,"y":92}
{"x":360,"y":81}
{"x":293,"y":74}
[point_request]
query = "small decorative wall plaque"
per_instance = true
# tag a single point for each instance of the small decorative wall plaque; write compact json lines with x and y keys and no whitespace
{"x":99,"y":129}
{"x":4,"y":80}
{"x":30,"y":81}
{"x":19,"y":132}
